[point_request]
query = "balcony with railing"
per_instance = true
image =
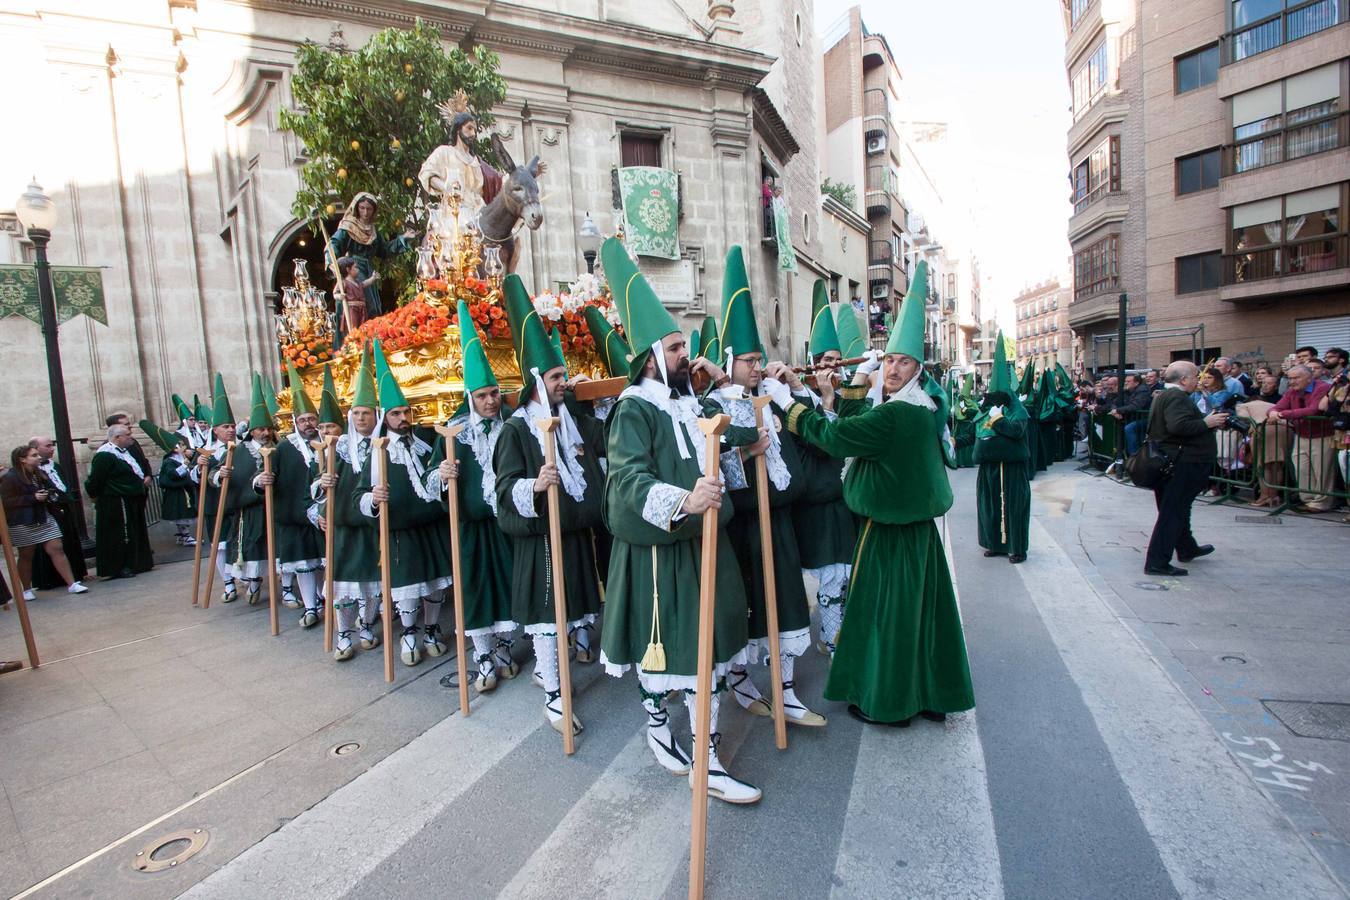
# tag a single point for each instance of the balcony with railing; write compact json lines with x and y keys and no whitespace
{"x":879,"y":263}
{"x":1297,"y":20}
{"x":878,"y":191}
{"x":876,"y":114}
{"x":1294,"y":141}
{"x":1318,"y":254}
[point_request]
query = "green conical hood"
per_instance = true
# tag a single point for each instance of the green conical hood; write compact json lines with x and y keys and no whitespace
{"x":477,"y":372}
{"x":391,"y":395}
{"x":330,"y":410}
{"x":555,"y":338}
{"x":645,"y":318}
{"x":738,"y":332}
{"x":999,"y":379}
{"x":300,"y":402}
{"x":968,"y":385}
{"x":851,"y":342}
{"x":695,"y":341}
{"x":709,"y":346}
{"x":907,"y":331}
{"x":220,"y":404}
{"x":1028,"y":382}
{"x":270,"y":396}
{"x":200,"y":411}
{"x":533,"y":348}
{"x":364,"y":394}
{"x":180,"y":407}
{"x":613,"y":350}
{"x":259,"y":416}
{"x":164,"y":440}
{"x":824,"y":336}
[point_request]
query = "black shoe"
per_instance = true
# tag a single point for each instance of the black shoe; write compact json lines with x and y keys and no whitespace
{"x":934,"y":716}
{"x":1017,"y":559}
{"x":1164,"y":570}
{"x":857,"y":713}
{"x":992,"y":553}
{"x":1202,"y":550}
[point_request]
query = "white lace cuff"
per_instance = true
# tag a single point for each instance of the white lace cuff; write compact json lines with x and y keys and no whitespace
{"x":733,"y":471}
{"x":662,"y":503}
{"x":522,"y":493}
{"x":182,"y":470}
{"x":368,"y":505}
{"x":312,"y":513}
{"x":435,"y":486}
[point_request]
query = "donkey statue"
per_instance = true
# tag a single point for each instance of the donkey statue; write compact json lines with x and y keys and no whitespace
{"x":516,"y":203}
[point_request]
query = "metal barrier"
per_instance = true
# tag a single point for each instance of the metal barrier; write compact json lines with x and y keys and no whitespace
{"x":1304,"y":465}
{"x":154,"y":503}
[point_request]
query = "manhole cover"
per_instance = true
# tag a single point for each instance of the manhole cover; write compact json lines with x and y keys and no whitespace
{"x":170,"y":850}
{"x":1150,"y":586}
{"x":346,"y":748}
{"x":1233,"y":660}
{"x":1258,"y":520}
{"x":1328,"y":721}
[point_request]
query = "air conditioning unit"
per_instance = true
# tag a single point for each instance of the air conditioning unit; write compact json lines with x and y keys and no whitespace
{"x":881,"y":291}
{"x":876,"y":144}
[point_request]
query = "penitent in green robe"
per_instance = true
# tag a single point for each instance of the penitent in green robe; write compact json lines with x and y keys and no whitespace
{"x":419,"y":532}
{"x":826,"y":528}
{"x":648,"y":480}
{"x":356,"y":540}
{"x":485,"y":552}
{"x":119,"y":517}
{"x":901,"y":650}
{"x":300,"y":545}
{"x":178,"y":492}
{"x":243,"y":529}
{"x":1002,"y":488}
{"x":519,"y":458}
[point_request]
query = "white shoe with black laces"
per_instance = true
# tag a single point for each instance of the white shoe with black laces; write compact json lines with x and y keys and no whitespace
{"x":723,"y":786}
{"x":663,"y":745}
{"x":408,"y":650}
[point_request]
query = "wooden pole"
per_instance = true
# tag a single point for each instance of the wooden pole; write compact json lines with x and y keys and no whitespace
{"x":548,"y":426}
{"x":339,"y":289}
{"x":16,"y":588}
{"x":707,"y":588}
{"x":203,"y":459}
{"x":220,"y":523}
{"x":328,"y":445}
{"x":272,"y":589}
{"x":770,"y":584}
{"x":838,"y":363}
{"x":380,"y":447}
{"x":600,"y":390}
{"x":456,"y":565}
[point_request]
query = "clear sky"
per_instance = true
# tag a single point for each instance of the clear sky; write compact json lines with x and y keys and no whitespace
{"x":993,"y":70}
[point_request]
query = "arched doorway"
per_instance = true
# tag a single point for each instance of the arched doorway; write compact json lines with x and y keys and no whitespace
{"x":298,"y":241}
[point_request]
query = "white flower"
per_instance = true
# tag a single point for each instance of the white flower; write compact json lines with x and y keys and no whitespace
{"x":586,"y":287}
{"x":612,"y":316}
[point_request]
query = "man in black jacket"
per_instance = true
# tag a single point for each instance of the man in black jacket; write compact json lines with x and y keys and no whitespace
{"x":1137,"y":400}
{"x":1187,"y":437}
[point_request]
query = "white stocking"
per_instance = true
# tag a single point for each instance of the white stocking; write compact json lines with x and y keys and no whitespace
{"x":407,"y":612}
{"x":482,"y":647}
{"x":546,"y":660}
{"x":691,"y":702}
{"x":309,"y":588}
{"x":431,"y":608}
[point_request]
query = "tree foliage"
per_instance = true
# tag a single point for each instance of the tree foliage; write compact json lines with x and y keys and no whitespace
{"x":368,"y":118}
{"x":846,"y":194}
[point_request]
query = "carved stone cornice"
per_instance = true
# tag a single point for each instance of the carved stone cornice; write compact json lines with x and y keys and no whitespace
{"x":771,"y":127}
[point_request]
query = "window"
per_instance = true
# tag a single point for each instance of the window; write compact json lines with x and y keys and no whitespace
{"x":1096,"y":267}
{"x":1089,"y":81}
{"x":1286,"y":120}
{"x":1097,"y":175}
{"x":639,"y":149}
{"x":1261,"y":25}
{"x":1201,"y":272}
{"x":1289,"y":235}
{"x":1076,"y":10}
{"x":1198,"y":171}
{"x":1197,"y":69}
{"x":951,"y":285}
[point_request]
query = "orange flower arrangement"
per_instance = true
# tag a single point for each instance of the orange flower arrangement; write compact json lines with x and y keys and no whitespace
{"x":307,"y":353}
{"x":410,"y":325}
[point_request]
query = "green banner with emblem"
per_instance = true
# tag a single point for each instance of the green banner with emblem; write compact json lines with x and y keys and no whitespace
{"x":79,"y":291}
{"x":650,"y":197}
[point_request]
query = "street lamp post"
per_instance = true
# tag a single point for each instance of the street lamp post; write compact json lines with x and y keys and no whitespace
{"x":589,"y":237}
{"x":37,"y":216}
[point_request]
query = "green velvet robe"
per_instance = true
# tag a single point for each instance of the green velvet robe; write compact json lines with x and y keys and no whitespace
{"x":419,"y":532}
{"x":178,"y":492}
{"x":826,"y":528}
{"x":119,"y":517}
{"x":648,"y":480}
{"x":901,"y":650}
{"x":245,"y":526}
{"x":299,"y":544}
{"x":518,"y":456}
{"x":356,"y":540}
{"x":1002,"y":490}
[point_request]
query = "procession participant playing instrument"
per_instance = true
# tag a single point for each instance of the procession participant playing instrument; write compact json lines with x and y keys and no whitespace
{"x":901,"y":651}
{"x":782,"y":463}
{"x":1002,"y":490}
{"x":419,"y":557}
{"x":655,"y":499}
{"x":485,"y":552}
{"x":523,"y":478}
{"x":354,"y":567}
{"x":825,"y":526}
{"x":299,"y":542}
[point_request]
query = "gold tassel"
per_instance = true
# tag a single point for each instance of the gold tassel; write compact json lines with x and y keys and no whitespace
{"x":654,"y":660}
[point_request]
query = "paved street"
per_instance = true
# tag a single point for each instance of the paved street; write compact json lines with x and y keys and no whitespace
{"x":1134,"y":737}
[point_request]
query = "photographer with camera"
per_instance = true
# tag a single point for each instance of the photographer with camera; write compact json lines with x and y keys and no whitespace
{"x":27,"y":494}
{"x":1187,"y":437}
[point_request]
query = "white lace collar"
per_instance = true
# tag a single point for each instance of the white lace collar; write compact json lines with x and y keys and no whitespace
{"x":743,"y":414}
{"x":123,"y":455}
{"x":567,"y":439}
{"x":303,"y":446}
{"x":483,"y":446}
{"x":683,"y":411}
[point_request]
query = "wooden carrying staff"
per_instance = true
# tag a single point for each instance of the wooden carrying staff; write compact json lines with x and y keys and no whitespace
{"x":548,"y":426}
{"x":220,"y":523}
{"x":456,"y":570}
{"x":707,"y":588}
{"x":770,"y":583}
{"x":820,"y":367}
{"x":203,"y":460}
{"x":328,"y":445}
{"x":271,"y":541}
{"x":380,"y":447}
{"x":16,"y":588}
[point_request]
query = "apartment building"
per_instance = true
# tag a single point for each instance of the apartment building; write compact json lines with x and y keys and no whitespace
{"x":1043,"y":334}
{"x":1223,"y":142}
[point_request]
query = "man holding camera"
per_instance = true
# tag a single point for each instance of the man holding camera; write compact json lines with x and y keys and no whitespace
{"x":1187,"y":438}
